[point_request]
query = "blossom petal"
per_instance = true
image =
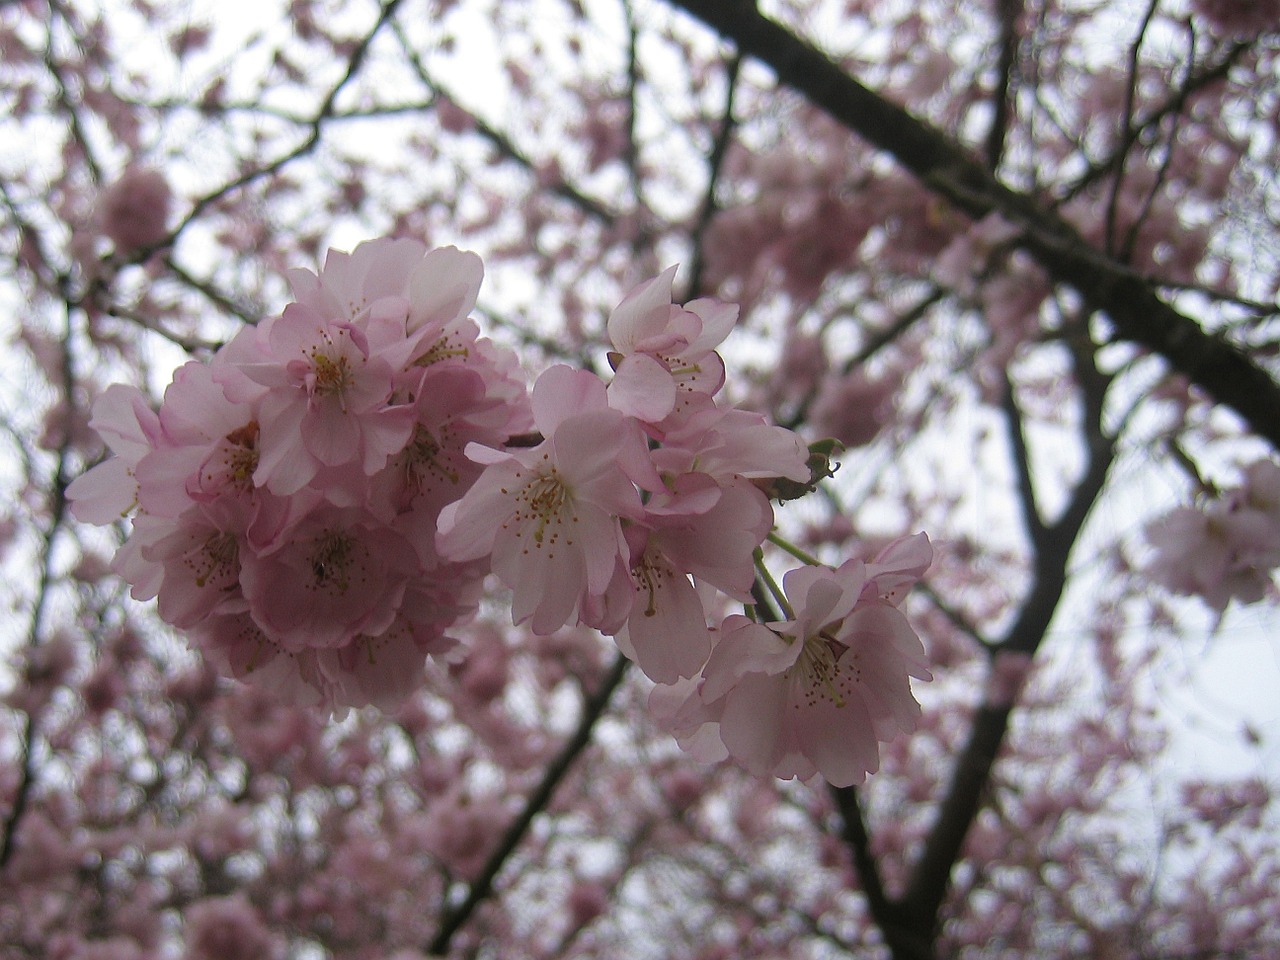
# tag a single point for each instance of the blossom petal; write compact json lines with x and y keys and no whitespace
{"x":643,"y":388}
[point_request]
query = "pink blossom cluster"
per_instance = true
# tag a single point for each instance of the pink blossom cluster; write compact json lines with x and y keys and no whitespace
{"x":643,"y":498}
{"x":1228,"y":548}
{"x":318,"y":505}
{"x":285,"y":496}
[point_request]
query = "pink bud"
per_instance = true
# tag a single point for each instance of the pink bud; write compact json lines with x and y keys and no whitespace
{"x":134,"y":211}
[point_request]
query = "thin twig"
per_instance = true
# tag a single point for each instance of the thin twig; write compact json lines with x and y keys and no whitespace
{"x":482,"y":887}
{"x":715,"y":164}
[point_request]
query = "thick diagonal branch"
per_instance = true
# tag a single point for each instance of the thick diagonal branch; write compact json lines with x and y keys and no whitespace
{"x":1137,"y":311}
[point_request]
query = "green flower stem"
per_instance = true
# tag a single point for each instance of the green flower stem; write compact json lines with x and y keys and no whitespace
{"x":779,"y":597}
{"x":791,"y":548}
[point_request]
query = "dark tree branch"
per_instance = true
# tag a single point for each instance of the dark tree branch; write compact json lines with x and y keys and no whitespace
{"x":210,"y":292}
{"x":876,"y":341}
{"x":67,"y":99}
{"x":499,"y":140}
{"x":1126,"y":123}
{"x":907,"y":938}
{"x":953,"y":616}
{"x":192,"y":345}
{"x":1134,"y":307}
{"x":1162,"y":175}
{"x":482,"y":888}
{"x":1009,"y":11}
{"x":879,"y":339}
{"x":1051,"y":546}
{"x":715,"y":163}
{"x":1016,"y":433}
{"x":57,"y":511}
{"x":312,"y":140}
{"x":631,"y":150}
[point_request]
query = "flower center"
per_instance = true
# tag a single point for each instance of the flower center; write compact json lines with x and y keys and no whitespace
{"x":651,"y":575}
{"x":232,"y":462}
{"x":331,"y":369}
{"x":332,"y":373}
{"x":442,"y":349}
{"x":818,"y":672}
{"x":543,"y":503}
{"x":216,"y":558}
{"x":422,"y":459}
{"x":332,"y":561}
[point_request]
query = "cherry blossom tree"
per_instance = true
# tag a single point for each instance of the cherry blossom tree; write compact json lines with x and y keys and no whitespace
{"x":465,"y":466}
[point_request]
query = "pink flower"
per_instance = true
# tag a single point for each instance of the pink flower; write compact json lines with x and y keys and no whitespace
{"x":238,"y":648}
{"x":726,"y":443}
{"x":817,"y":692}
{"x":427,"y":288}
{"x":227,"y":928}
{"x":1239,"y":18}
{"x":131,"y":429}
{"x":462,"y":831}
{"x":587,"y":900}
{"x":326,"y":404}
{"x":342,"y":573}
{"x":288,"y":492}
{"x":383,"y":670}
{"x":1256,"y":505}
{"x":452,"y":408}
{"x":853,"y":408}
{"x":666,"y":631}
{"x":200,"y":556}
{"x":1227,"y":549}
{"x":210,"y":450}
{"x":898,"y":567}
{"x":484,"y":673}
{"x":1208,"y":553}
{"x":701,"y":529}
{"x":550,"y":516}
{"x":660,"y":348}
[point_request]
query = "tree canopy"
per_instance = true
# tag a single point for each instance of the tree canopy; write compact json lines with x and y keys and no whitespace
{"x":1019,"y":258}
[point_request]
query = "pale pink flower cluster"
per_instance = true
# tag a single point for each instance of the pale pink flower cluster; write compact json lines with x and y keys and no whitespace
{"x":819,"y":691}
{"x":1226,"y":549}
{"x":318,"y":505}
{"x":285,"y":496}
{"x":641,"y":500}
